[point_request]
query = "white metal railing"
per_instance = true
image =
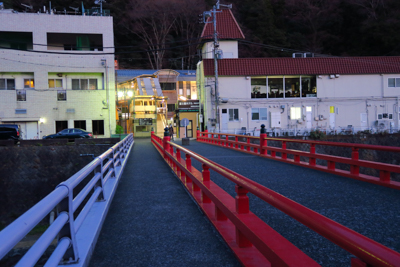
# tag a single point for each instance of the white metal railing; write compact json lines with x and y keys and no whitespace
{"x":105,"y":172}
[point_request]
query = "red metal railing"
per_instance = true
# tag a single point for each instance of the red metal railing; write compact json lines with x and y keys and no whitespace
{"x":251,"y":239}
{"x":297,"y":157}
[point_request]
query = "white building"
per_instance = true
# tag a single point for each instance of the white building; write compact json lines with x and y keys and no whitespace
{"x":295,"y":95}
{"x":57,"y":72}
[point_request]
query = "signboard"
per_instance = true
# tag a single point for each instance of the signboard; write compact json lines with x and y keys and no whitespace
{"x":184,"y":122}
{"x":188,"y":106}
{"x":145,"y":121}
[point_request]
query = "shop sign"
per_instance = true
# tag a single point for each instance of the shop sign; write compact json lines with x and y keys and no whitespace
{"x":188,"y":106}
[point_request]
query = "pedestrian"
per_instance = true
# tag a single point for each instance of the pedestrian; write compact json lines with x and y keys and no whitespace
{"x":171,"y":132}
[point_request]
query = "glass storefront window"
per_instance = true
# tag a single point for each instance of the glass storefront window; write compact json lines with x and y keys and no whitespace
{"x":292,"y":87}
{"x":308,"y":86}
{"x":275,"y":87}
{"x":258,"y":87}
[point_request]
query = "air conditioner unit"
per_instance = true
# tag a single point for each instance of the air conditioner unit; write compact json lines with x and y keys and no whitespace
{"x":316,"y":118}
{"x":299,"y":121}
{"x":308,"y":55}
{"x":321,"y":117}
{"x":297,"y":55}
{"x":382,"y":125}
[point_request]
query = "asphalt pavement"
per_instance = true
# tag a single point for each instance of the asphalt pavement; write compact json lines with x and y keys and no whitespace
{"x":154,"y":222}
{"x":371,"y":210}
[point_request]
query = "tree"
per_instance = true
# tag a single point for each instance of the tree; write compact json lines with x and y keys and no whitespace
{"x":187,"y":28}
{"x":310,"y":23}
{"x":152,"y":21}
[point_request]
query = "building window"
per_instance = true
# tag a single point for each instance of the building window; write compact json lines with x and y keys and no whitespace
{"x":84,"y":84}
{"x":258,"y":87}
{"x":171,"y":107}
{"x":295,"y":113}
{"x":180,"y":88}
{"x":385,"y":116}
{"x":292,"y":87}
{"x":275,"y":87}
{"x":258,"y":114}
{"x":74,"y":41}
{"x":20,"y":111}
{"x":394,"y":82}
{"x":7,"y":84}
{"x":168,"y":86}
{"x":98,"y":127}
{"x":308,"y":87}
{"x":80,"y":124}
{"x":233,"y":114}
{"x":55,"y":83}
{"x":21,"y":95}
{"x":29,"y":83}
{"x":61,"y":95}
{"x":16,"y":40}
{"x":61,"y":125}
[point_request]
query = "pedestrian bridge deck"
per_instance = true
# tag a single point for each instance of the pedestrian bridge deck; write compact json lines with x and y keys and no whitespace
{"x":154,"y":222}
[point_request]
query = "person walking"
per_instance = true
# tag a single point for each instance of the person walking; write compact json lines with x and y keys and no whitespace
{"x":171,"y":132}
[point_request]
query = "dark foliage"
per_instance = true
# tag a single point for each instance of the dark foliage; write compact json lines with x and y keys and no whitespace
{"x":328,"y":27}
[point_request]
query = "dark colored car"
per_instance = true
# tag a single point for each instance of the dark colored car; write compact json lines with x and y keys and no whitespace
{"x":71,"y":133}
{"x":9,"y":132}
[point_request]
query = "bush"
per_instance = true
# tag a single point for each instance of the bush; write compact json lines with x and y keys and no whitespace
{"x":317,"y":134}
{"x":119,"y":129}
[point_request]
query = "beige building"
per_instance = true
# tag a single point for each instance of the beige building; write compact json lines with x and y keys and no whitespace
{"x":57,"y":72}
{"x":295,"y":95}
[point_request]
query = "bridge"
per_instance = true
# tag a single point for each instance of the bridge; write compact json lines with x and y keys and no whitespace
{"x":266,"y":206}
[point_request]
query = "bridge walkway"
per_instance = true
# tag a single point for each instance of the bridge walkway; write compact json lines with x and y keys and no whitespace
{"x":368,"y":209}
{"x":153,"y":222}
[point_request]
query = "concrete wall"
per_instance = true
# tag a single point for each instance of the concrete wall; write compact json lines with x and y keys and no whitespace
{"x":229,"y":49}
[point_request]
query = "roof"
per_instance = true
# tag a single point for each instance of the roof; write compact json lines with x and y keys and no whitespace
{"x":303,"y":66}
{"x":125,"y":75}
{"x":227,"y":26}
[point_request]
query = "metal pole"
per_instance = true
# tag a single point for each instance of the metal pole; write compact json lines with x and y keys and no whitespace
{"x":216,"y":68}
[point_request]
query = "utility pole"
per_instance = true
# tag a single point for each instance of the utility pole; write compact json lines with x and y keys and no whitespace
{"x":206,"y":15}
{"x":216,"y":45}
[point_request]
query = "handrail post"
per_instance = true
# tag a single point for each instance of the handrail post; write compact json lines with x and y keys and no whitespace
{"x":236,"y":140}
{"x":197,"y":133}
{"x":284,"y":155}
{"x":248,"y":144}
{"x":355,"y":169}
{"x":207,"y":136}
{"x":242,"y":207}
{"x":312,"y":160}
{"x":189,"y":168}
{"x":263,"y":140}
{"x":68,"y":231}
{"x":171,"y":151}
{"x":227,"y":140}
{"x":219,"y":139}
{"x":152,"y":137}
{"x":166,"y":139}
{"x":206,"y":182}
{"x":178,"y":159}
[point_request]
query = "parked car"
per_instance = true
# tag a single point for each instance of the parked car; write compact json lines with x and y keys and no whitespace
{"x":70,"y":133}
{"x":9,"y":132}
